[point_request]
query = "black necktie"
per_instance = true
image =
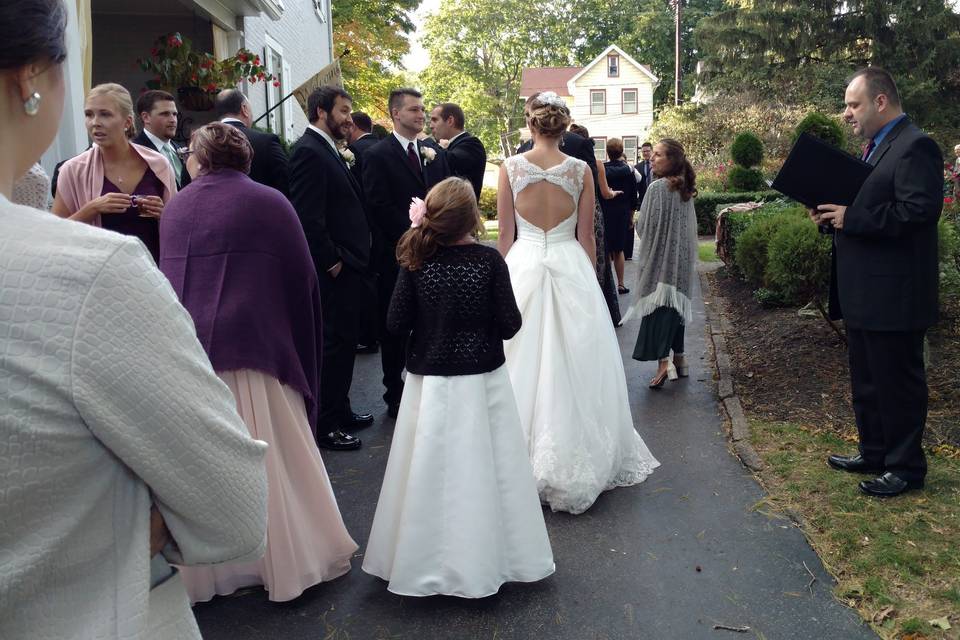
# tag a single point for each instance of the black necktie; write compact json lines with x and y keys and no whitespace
{"x":412,"y":158}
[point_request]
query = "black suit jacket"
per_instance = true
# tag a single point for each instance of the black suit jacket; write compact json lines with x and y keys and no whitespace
{"x":329,"y":202}
{"x":359,"y":147}
{"x":886,"y":273}
{"x":269,"y":163}
{"x":577,"y":147}
{"x":468,"y":159}
{"x":184,"y":178}
{"x":390,"y":183}
{"x":645,"y":182}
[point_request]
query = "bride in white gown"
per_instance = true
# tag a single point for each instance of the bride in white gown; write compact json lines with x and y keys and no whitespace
{"x":565,"y":362}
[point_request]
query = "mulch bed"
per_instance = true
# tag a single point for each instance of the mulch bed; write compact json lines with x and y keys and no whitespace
{"x":794,"y":369}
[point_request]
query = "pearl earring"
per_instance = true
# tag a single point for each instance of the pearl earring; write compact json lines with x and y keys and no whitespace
{"x":32,"y":105}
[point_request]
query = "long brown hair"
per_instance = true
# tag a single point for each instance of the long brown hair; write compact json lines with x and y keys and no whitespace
{"x":680,"y":174}
{"x":451,"y":214}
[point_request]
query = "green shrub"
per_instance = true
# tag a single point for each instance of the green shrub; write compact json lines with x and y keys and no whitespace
{"x":735,"y":223}
{"x":743,"y":179}
{"x":750,"y":254}
{"x":488,"y":203}
{"x":747,"y":150}
{"x":706,"y":204}
{"x":949,"y":245}
{"x":798,"y":262}
{"x":821,"y":126}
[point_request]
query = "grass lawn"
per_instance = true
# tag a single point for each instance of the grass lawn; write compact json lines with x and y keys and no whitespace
{"x":492,"y":228}
{"x":897,"y":561}
{"x":708,"y":251}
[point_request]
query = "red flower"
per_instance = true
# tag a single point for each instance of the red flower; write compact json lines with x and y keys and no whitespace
{"x":193,"y":77}
{"x":211,"y":87}
{"x":276,"y":83}
{"x":948,"y":200}
{"x":256,"y":60}
{"x":206,"y":64}
{"x":155,"y":52}
{"x":242,"y":57}
{"x":174,"y":40}
{"x":262,"y":75}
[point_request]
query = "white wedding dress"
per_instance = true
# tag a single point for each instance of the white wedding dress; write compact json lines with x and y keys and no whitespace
{"x":565,"y":362}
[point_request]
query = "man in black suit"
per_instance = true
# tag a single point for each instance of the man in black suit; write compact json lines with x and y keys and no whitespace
{"x":465,"y":153}
{"x":361,"y":139}
{"x":645,"y":173}
{"x":158,"y":113}
{"x":395,"y":170}
{"x":884,"y":283}
{"x":329,"y":202}
{"x":269,"y":164}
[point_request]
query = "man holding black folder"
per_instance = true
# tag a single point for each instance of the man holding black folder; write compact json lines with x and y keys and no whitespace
{"x":884,"y":283}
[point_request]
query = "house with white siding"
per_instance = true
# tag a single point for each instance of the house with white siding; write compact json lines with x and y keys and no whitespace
{"x":612,"y":96}
{"x":105,"y":38}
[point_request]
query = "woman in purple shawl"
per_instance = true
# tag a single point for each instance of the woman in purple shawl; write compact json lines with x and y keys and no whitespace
{"x":236,"y":255}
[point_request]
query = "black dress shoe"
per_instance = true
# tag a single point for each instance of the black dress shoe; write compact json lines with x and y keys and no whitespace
{"x":338,"y":441}
{"x":889,"y":485}
{"x":368,"y":348}
{"x":854,"y":464}
{"x":358,"y":421}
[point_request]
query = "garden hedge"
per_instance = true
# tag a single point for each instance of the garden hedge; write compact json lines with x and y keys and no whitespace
{"x":706,"y":205}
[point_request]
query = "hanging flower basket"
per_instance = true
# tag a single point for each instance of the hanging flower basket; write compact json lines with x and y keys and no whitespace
{"x":197,"y":76}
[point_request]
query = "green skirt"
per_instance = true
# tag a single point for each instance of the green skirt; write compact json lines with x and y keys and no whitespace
{"x":660,"y":332}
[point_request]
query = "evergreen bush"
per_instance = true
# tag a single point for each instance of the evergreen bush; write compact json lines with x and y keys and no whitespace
{"x":821,"y":126}
{"x":744,"y":179}
{"x":746,"y":150}
{"x":798,"y":262}
{"x":750,"y":254}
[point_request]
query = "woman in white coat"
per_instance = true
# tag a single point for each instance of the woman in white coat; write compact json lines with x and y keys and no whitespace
{"x":120,"y":449}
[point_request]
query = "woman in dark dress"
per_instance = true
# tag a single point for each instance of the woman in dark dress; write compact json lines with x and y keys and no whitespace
{"x":115,"y":184}
{"x":617,"y":211}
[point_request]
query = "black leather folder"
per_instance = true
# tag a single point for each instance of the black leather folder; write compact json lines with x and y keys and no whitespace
{"x":817,"y":172}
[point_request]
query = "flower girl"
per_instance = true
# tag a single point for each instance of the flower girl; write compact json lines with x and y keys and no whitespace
{"x":458,"y":512}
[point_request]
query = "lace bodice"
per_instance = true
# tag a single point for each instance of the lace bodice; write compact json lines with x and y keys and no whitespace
{"x":568,"y":175}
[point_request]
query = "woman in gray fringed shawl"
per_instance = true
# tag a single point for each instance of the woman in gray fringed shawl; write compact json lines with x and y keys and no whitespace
{"x":667,"y":227}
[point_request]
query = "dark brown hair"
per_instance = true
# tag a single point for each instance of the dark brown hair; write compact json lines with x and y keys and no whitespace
{"x":325,"y":98}
{"x":614,"y":148}
{"x":451,"y":110}
{"x":221,"y":146}
{"x":149,"y":98}
{"x":878,"y":81}
{"x":32,"y":30}
{"x":451,"y":214}
{"x":679,"y":173}
{"x":580,"y":130}
{"x":395,"y":101}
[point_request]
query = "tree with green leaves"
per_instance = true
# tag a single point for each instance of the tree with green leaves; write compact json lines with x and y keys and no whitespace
{"x":802,"y":51}
{"x":478,"y":51}
{"x":376,"y":34}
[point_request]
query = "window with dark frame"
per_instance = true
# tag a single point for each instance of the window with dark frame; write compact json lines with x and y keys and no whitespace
{"x":598,"y":102}
{"x":613,"y":66}
{"x":630,"y":148}
{"x":600,"y":149}
{"x":629,"y":101}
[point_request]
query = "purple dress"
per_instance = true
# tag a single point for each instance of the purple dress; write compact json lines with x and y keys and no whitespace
{"x":130,"y":223}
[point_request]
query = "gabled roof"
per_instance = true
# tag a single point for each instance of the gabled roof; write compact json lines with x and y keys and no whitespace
{"x":602,"y":57}
{"x":538,"y":79}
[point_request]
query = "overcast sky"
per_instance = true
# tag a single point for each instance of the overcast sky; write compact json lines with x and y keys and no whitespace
{"x":418,"y":59}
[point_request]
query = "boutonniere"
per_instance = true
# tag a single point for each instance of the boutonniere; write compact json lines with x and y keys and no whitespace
{"x":348,"y":157}
{"x":428,"y":154}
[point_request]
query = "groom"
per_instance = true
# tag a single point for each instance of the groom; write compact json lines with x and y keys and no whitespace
{"x":395,"y":170}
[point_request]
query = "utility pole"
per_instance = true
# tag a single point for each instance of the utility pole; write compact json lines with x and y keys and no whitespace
{"x":677,"y":6}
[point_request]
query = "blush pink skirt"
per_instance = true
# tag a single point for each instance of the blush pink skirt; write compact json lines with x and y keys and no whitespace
{"x":307,"y":542}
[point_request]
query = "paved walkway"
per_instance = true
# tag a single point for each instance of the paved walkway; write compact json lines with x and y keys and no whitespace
{"x":669,"y":558}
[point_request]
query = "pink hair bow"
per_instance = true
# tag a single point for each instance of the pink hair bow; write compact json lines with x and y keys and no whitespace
{"x":418,"y":209}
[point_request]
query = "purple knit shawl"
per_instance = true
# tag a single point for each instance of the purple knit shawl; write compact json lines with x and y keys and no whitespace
{"x":236,"y":255}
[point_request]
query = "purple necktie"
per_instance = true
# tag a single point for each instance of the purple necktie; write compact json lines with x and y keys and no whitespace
{"x":868,"y":150}
{"x":412,"y":158}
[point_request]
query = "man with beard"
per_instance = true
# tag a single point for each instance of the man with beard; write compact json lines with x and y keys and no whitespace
{"x":395,"y":170}
{"x":329,"y":201}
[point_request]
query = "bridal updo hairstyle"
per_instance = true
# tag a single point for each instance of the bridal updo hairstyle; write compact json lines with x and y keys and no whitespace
{"x":548,"y":120}
{"x":451,"y":214}
{"x":680,"y":175}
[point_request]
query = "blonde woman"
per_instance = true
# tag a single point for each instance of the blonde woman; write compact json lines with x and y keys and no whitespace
{"x":115,"y":184}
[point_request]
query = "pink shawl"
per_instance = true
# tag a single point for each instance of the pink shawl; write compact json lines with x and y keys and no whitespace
{"x":81,"y":177}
